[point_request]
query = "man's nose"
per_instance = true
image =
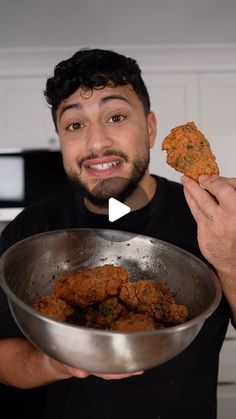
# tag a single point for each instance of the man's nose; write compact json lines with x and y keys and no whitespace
{"x":98,"y":138}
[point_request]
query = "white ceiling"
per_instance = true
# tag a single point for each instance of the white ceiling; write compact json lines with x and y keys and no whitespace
{"x":63,"y":23}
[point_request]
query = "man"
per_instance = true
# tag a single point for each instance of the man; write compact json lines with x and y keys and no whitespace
{"x":101,"y":111}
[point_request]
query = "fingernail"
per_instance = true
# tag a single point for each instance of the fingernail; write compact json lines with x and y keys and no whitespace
{"x":185,"y":178}
{"x":203,"y":178}
{"x":138,"y":373}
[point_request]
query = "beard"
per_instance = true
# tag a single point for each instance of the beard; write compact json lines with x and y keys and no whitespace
{"x":116,"y":187}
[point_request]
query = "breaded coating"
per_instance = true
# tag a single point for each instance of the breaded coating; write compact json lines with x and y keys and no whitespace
{"x":154,"y":298}
{"x":103,"y":298}
{"x":91,"y":285}
{"x":134,"y":322}
{"x":53,"y":307}
{"x":175,"y":313}
{"x":189,"y":152}
{"x":105,"y":313}
{"x":146,"y":296}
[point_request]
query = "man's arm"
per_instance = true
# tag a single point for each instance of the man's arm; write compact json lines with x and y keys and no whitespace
{"x":212,"y":202}
{"x":24,"y":366}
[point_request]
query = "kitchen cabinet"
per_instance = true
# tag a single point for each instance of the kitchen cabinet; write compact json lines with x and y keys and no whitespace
{"x":226,"y":394}
{"x":217,"y":105}
{"x":25,"y":119}
{"x":174,"y":99}
{"x":226,"y":401}
{"x":227,"y":374}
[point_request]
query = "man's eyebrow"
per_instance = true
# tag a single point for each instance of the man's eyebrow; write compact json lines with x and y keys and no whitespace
{"x":114,"y":96}
{"x":70,"y":106}
{"x":103,"y":100}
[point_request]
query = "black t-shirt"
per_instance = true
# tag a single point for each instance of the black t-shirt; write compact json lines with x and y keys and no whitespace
{"x":184,"y":387}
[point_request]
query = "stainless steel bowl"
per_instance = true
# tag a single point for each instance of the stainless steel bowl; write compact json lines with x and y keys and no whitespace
{"x":28,"y":269}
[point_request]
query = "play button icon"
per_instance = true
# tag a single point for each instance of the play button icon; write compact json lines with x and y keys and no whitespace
{"x":112,"y":223}
{"x":116,"y":209}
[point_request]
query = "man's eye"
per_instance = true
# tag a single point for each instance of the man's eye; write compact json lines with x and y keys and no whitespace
{"x":116,"y":118}
{"x":74,"y":126}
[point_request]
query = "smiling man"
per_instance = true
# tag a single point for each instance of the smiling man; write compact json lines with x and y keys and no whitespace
{"x":105,"y":139}
{"x":101,"y":111}
{"x":105,"y":127}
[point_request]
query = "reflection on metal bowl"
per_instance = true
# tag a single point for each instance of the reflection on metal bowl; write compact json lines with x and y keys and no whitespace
{"x":28,"y":269}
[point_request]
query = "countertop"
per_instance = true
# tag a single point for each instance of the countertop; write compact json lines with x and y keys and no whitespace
{"x":8,"y":214}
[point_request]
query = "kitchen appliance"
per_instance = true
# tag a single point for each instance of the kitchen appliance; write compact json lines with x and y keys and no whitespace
{"x":27,"y":176}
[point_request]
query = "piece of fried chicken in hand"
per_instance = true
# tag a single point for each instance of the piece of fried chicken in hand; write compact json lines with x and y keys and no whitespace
{"x":189,"y":152}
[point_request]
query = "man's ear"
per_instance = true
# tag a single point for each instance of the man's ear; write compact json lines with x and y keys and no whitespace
{"x":152,"y":128}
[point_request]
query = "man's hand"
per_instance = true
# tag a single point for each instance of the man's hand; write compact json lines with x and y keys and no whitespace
{"x":74,"y":372}
{"x":212,"y":202}
{"x":33,"y":368}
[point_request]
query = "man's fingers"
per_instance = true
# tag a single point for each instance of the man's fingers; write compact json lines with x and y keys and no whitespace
{"x":194,"y":207}
{"x":84,"y":374}
{"x":118,"y":376}
{"x":224,"y":189}
{"x":199,"y":200}
{"x":231,"y":181}
{"x":78,"y":373}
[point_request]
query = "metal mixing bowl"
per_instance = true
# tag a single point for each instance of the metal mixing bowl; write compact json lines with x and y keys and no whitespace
{"x":28,"y":269}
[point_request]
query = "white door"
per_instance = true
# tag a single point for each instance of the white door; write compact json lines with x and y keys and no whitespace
{"x":218,"y":116}
{"x":25,"y":119}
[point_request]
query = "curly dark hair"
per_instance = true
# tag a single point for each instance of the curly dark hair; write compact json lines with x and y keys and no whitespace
{"x":91,"y":69}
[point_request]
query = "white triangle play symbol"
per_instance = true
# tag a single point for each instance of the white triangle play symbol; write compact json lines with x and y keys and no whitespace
{"x":116,"y":209}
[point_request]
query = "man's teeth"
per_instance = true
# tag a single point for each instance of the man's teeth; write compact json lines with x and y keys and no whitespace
{"x":104,"y":166}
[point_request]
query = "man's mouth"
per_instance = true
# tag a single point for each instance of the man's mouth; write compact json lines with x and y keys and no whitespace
{"x":103,"y":167}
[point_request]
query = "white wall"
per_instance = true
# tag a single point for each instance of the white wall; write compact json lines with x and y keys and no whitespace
{"x":50,"y":23}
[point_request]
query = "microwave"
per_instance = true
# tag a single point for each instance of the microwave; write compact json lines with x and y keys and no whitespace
{"x":29,"y":176}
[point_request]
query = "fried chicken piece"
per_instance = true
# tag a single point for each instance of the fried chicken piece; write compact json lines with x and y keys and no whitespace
{"x":53,"y":307}
{"x":105,"y":314}
{"x":189,"y":152}
{"x":146,"y":296}
{"x":176,"y":313}
{"x":91,"y":285}
{"x":154,"y":298}
{"x":134,"y":322}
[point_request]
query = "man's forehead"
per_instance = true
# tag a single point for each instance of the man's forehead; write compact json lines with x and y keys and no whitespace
{"x":99,"y":92}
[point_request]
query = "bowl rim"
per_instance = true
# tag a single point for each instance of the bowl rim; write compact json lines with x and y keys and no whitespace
{"x":200,"y":318}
